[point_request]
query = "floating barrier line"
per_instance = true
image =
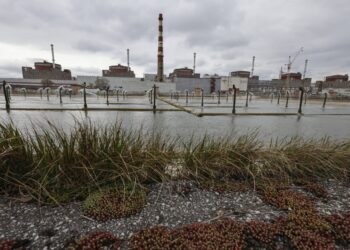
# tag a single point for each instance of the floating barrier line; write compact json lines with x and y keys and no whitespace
{"x":180,"y":108}
{"x":90,"y":109}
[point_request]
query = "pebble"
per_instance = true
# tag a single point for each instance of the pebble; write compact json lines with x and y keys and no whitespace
{"x":163,"y":208}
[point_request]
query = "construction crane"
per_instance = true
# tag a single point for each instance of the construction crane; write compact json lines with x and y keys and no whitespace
{"x":289,"y":65}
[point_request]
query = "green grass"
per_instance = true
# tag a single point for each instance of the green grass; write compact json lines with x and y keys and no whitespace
{"x":53,"y":166}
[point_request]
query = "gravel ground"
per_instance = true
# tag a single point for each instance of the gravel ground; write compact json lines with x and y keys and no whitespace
{"x":50,"y":227}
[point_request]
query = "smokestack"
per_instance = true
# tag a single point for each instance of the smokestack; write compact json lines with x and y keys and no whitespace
{"x":253,"y":65}
{"x":128,"y":58}
{"x":194,"y":63}
{"x":53,"y":56}
{"x":160,"y":70}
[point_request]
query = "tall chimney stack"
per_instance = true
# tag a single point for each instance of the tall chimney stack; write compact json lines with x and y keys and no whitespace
{"x":194,"y":63}
{"x":160,"y":70}
{"x":53,"y":56}
{"x":128,"y":58}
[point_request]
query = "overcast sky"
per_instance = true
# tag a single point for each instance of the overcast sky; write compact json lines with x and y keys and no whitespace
{"x":90,"y":35}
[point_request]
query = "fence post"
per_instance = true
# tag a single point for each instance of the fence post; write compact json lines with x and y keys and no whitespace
{"x":301,"y":99}
{"x":325,"y":100}
{"x":234,"y":99}
{"x":287,"y":100}
{"x":6,"y":95}
{"x":246,"y":99}
{"x":278,"y":97}
{"x":85,"y":104}
{"x":202,"y":93}
{"x":107,"y":93}
{"x":219,"y":96}
{"x":60,"y":93}
{"x":186,"y":97}
{"x":154,"y":97}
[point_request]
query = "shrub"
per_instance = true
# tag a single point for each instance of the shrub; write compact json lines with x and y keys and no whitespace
{"x":114,"y":203}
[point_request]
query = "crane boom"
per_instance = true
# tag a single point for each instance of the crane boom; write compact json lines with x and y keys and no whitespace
{"x":290,"y":62}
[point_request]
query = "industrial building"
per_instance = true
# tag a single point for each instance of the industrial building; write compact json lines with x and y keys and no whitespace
{"x":46,"y":70}
{"x":133,"y":85}
{"x":337,"y":78}
{"x":240,"y":73}
{"x":191,"y":84}
{"x":118,"y":71}
{"x":274,"y":85}
{"x":183,"y":73}
{"x":293,"y":76}
{"x":334,"y":83}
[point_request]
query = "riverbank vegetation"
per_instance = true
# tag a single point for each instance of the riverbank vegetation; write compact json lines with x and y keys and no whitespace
{"x":53,"y":166}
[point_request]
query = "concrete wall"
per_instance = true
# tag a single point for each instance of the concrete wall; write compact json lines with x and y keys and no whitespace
{"x":132,"y":85}
{"x":227,"y":83}
{"x":191,"y":84}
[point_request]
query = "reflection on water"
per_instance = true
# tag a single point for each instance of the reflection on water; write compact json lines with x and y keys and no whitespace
{"x":182,"y":124}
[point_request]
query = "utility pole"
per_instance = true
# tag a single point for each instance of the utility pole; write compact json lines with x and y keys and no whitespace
{"x":194,"y":63}
{"x":253,"y":65}
{"x":128,"y":58}
{"x":305,"y":70}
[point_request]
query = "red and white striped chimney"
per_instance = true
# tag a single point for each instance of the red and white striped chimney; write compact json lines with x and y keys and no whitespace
{"x":160,"y":70}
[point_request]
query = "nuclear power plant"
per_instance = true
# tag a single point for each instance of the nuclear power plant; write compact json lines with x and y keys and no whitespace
{"x":179,"y":79}
{"x":47,"y":70}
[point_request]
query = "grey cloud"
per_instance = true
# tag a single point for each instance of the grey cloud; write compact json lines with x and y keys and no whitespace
{"x":92,"y":46}
{"x":226,"y":33}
